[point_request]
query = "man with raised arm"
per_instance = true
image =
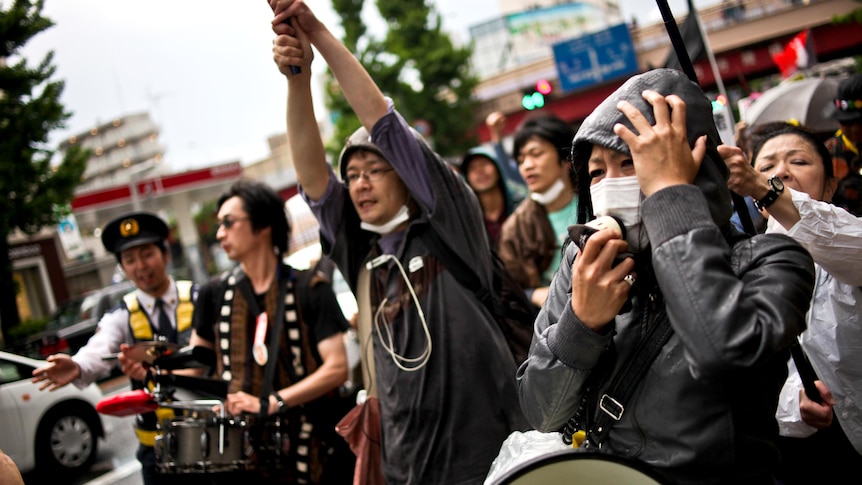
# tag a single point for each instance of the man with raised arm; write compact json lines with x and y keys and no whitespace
{"x":444,"y":375}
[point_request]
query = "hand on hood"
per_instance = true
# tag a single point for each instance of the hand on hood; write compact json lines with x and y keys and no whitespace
{"x":660,"y":152}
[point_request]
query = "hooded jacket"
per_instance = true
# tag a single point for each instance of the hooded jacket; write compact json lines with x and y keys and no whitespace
{"x":703,"y":412}
{"x":512,"y":196}
{"x":442,"y":419}
{"x":513,"y":191}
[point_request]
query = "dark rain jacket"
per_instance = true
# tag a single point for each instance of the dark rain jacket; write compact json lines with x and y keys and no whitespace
{"x":444,"y":421}
{"x":513,"y":190}
{"x":704,"y":411}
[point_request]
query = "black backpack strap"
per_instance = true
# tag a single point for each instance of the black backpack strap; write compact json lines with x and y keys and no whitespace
{"x":611,"y":405}
{"x":277,"y":322}
{"x":302,"y":284}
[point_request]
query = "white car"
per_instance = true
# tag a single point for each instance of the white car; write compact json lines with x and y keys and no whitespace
{"x":57,"y":431}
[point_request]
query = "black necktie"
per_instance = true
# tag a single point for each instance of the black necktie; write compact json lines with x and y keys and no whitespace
{"x":164,"y":323}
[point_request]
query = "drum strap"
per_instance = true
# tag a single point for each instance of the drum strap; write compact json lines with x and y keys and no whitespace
{"x":611,"y":405}
{"x":304,"y":439}
{"x":274,"y":338}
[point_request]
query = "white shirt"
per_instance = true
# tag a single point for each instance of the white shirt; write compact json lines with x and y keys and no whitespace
{"x":113,"y":330}
{"x":833,"y":340}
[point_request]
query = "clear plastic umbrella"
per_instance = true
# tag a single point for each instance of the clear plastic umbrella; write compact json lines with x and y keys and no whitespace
{"x":803,"y":100}
{"x":304,"y":244}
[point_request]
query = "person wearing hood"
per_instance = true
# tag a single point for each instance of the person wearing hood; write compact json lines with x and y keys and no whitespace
{"x":484,"y":173}
{"x":728,"y":307}
{"x":532,"y":237}
{"x":437,"y":360}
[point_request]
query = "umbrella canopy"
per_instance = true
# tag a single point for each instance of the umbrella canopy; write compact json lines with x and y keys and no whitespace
{"x":802,"y":100}
{"x":303,"y":247}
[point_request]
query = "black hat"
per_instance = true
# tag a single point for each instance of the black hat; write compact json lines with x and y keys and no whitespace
{"x":359,"y":140}
{"x":132,"y":230}
{"x":847,"y":106}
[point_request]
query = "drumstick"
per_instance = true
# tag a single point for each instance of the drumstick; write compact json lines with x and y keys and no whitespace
{"x":221,"y":429}
{"x":293,"y":69}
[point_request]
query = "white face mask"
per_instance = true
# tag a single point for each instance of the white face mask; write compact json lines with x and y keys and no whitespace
{"x":403,"y":215}
{"x":549,"y":195}
{"x":621,"y":197}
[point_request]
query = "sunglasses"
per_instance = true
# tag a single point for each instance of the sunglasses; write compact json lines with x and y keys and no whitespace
{"x":227,"y":223}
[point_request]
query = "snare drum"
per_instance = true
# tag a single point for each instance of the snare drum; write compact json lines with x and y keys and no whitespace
{"x":205,"y":443}
{"x":577,"y":466}
{"x":272,"y":443}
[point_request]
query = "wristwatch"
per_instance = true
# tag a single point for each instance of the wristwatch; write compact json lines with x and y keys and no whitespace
{"x":280,"y":404}
{"x":776,"y":187}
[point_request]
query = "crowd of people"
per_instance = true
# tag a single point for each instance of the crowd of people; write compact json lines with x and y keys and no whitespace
{"x":667,"y":338}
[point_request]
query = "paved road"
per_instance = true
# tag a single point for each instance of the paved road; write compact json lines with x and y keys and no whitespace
{"x":116,"y":463}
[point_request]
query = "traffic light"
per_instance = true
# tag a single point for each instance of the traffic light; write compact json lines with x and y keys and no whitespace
{"x":535,"y":98}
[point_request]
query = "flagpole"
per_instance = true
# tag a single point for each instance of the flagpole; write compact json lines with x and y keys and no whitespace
{"x":676,"y":40}
{"x":688,"y":68}
{"x":726,"y":112}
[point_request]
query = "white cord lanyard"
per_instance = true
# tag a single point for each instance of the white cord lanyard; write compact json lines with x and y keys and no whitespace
{"x":387,"y":342}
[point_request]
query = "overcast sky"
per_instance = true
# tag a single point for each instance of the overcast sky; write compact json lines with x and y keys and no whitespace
{"x":203,"y":70}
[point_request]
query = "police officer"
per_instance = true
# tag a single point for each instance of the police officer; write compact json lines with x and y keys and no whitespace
{"x":160,"y":308}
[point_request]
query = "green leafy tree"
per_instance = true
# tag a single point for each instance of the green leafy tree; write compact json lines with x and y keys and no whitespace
{"x":416,"y":64}
{"x":852,"y":17}
{"x":206,"y":223}
{"x":35,"y":193}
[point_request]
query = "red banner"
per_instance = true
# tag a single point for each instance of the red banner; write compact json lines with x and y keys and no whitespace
{"x":797,"y":54}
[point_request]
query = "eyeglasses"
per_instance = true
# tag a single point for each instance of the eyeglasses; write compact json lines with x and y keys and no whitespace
{"x":227,"y":223}
{"x":371,"y":175}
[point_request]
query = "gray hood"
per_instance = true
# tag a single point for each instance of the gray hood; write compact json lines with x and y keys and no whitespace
{"x":598,"y":129}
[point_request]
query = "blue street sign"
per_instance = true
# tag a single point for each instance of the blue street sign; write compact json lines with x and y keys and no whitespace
{"x":595,"y":58}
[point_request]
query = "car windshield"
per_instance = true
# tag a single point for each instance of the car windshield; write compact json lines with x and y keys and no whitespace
{"x":91,"y":306}
{"x":66,"y":315}
{"x":88,"y":306}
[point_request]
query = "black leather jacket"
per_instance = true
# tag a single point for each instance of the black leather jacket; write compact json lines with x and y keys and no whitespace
{"x":704,"y":411}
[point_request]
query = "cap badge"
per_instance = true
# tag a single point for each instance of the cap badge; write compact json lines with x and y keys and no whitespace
{"x":129,"y":228}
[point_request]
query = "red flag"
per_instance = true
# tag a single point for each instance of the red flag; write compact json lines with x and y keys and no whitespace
{"x":797,"y":54}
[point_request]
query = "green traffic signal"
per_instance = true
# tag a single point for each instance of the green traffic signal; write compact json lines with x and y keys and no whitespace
{"x":533,"y":101}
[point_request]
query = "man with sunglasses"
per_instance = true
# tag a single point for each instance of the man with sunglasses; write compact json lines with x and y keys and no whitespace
{"x":443,"y":372}
{"x":278,"y":336}
{"x":160,"y":308}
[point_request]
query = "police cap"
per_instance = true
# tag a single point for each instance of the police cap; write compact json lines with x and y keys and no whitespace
{"x":134,"y":229}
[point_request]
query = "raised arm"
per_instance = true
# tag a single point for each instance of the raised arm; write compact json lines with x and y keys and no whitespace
{"x":291,"y":48}
{"x":361,"y":92}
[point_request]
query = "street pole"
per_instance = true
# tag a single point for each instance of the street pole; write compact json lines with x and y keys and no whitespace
{"x":134,"y":172}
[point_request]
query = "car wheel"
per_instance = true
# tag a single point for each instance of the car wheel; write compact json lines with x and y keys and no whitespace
{"x":67,"y":440}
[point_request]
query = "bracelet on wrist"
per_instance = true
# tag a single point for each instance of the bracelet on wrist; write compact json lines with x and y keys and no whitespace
{"x":280,"y":404}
